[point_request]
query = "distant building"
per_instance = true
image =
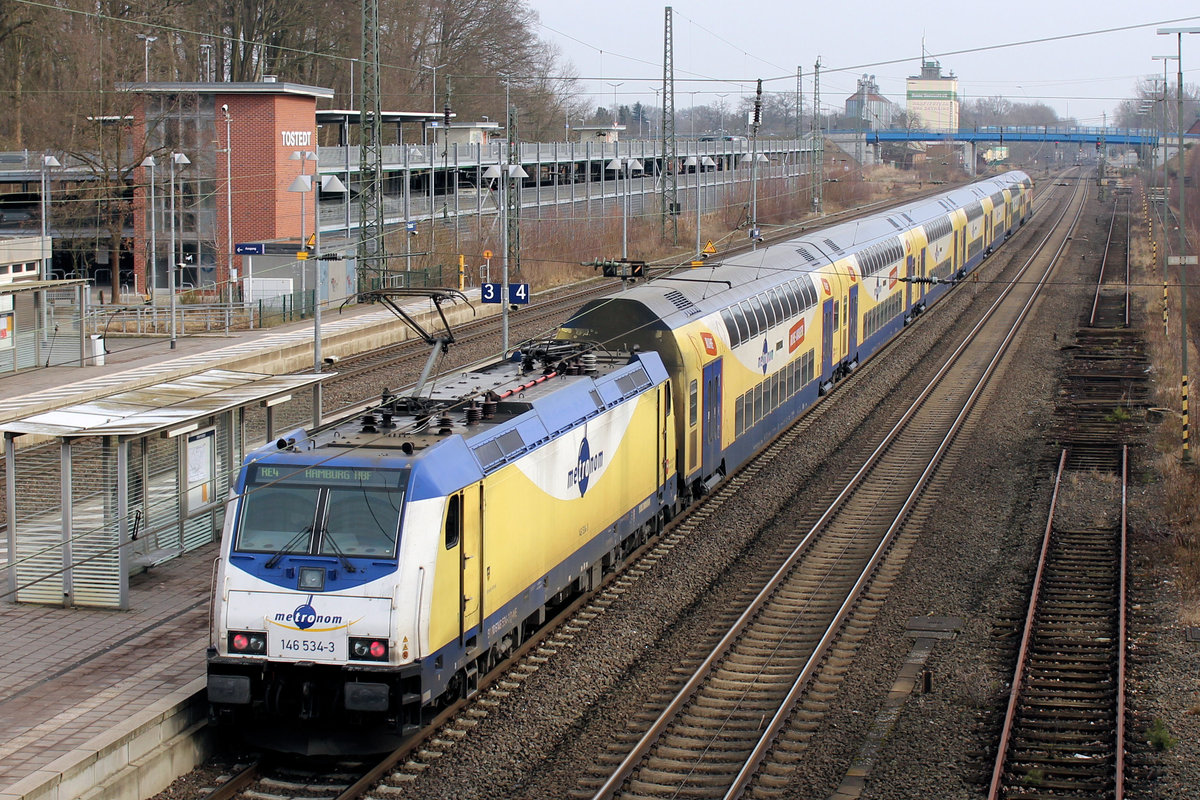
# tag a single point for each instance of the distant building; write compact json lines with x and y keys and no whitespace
{"x":932,"y":98}
{"x":868,"y":105}
{"x":606,"y":134}
{"x":464,"y":134}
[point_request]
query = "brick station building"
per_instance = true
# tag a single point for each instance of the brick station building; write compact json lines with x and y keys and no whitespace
{"x":248,"y":131}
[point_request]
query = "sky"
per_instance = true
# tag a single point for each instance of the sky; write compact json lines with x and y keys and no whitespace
{"x":723,"y":47}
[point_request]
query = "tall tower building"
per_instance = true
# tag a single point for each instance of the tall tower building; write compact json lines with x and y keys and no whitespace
{"x":932,"y":98}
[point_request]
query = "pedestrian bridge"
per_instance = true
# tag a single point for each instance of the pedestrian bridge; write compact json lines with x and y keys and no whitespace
{"x":1020,"y":133}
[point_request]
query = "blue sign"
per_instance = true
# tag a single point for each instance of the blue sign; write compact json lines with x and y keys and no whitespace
{"x":518,"y":293}
{"x":250,"y":249}
{"x":411,"y":227}
{"x":490,"y":292}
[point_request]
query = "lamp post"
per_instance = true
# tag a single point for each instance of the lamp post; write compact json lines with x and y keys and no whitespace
{"x":47,"y":253}
{"x":721,"y":112}
{"x":504,"y":172}
{"x":302,"y":156}
{"x":229,"y":276}
{"x":146,"y":55}
{"x":629,"y":164}
{"x":435,"y":111}
{"x":149,"y":163}
{"x":305,"y":184}
{"x":1183,"y":256}
{"x":180,"y":160}
{"x":616,"y":114}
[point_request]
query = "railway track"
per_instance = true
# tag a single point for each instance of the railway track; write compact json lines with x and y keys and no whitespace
{"x":715,"y":734}
{"x":261,"y":780}
{"x":1110,"y":305}
{"x":1063,"y":732}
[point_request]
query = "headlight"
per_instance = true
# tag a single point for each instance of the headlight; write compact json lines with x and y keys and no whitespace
{"x":365,"y":649}
{"x":248,"y":643}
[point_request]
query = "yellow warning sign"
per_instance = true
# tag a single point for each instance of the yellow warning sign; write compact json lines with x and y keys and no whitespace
{"x":302,"y":255}
{"x":708,"y":248}
{"x":312,"y":240}
{"x":697,"y":263}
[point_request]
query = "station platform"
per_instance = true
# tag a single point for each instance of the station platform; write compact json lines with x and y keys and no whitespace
{"x":86,"y":693}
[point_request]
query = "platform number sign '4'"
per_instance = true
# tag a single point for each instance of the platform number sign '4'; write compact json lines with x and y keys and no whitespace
{"x":518,"y":293}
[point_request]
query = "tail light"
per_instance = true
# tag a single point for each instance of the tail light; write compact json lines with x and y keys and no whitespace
{"x":248,"y":643}
{"x":367,"y":649}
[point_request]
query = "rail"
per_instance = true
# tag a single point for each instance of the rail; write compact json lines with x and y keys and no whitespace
{"x":1058,"y":706}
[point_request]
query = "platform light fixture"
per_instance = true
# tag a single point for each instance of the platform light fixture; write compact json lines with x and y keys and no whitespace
{"x":434,"y":107}
{"x":149,"y":163}
{"x":177,"y":160}
{"x":1184,"y":258}
{"x":628,"y":164}
{"x":48,"y":162}
{"x":146,"y":57}
{"x":327,"y":183}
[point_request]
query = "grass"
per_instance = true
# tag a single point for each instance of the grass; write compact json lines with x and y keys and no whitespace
{"x":1177,"y":517}
{"x":1159,"y":737}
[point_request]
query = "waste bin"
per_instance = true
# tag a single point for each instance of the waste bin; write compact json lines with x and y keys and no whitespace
{"x":97,"y":350}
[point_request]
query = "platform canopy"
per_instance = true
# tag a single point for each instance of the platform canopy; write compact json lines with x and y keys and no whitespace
{"x":164,"y":407}
{"x":138,"y":477}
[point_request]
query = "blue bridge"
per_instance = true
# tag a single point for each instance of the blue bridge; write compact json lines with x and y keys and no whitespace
{"x":1021,"y":133}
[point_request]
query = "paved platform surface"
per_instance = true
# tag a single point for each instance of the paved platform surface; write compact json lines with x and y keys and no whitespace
{"x":69,"y":675}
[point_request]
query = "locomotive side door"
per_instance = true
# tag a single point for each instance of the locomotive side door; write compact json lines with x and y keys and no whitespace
{"x":464,"y":524}
{"x":712,"y":418}
{"x":852,"y":323}
{"x":827,"y":338}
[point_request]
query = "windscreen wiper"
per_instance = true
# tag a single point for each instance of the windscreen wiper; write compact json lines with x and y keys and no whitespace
{"x":287,"y":548}
{"x":337,"y":551}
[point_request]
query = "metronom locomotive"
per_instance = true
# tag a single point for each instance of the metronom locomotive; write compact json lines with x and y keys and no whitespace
{"x":373,"y":570}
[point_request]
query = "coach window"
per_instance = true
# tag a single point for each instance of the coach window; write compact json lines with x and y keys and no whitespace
{"x":751,"y":318}
{"x":743,"y":328}
{"x":693,"y":402}
{"x":453,"y":520}
{"x":760,"y":314}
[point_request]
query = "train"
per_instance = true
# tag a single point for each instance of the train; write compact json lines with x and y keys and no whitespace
{"x":373,"y":570}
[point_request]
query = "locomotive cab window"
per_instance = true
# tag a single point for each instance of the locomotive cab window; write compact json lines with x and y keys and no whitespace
{"x":453,"y":520}
{"x":324,"y":511}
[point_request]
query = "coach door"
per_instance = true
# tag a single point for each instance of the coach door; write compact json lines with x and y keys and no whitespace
{"x":712,"y":418}
{"x":852,"y":323}
{"x":827,"y":338}
{"x":908,"y":271}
